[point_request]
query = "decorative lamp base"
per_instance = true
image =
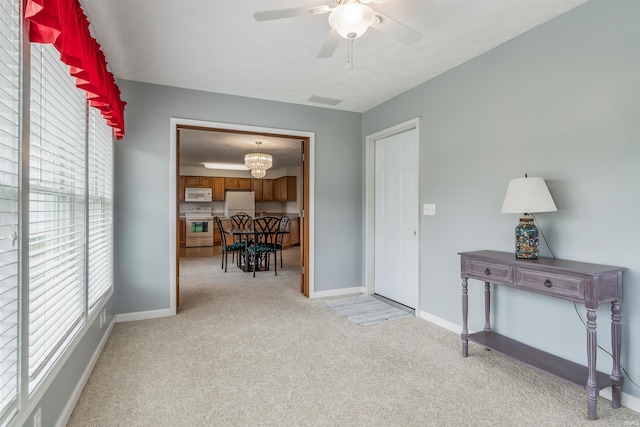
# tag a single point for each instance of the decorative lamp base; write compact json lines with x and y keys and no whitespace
{"x":526,"y":239}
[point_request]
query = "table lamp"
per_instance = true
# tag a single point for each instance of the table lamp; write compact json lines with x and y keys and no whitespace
{"x":526,"y":196}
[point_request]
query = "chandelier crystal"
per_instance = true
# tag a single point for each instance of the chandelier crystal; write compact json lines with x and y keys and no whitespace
{"x":258,"y":162}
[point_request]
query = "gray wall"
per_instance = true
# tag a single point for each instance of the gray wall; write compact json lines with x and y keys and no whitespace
{"x":142,"y":185}
{"x":560,"y":102}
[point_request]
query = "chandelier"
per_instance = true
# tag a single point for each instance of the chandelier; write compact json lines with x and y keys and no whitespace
{"x":258,"y":162}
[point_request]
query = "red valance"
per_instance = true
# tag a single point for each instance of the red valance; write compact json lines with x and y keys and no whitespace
{"x":64,"y":24}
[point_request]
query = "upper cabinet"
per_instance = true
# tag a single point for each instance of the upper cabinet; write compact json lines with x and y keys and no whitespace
{"x":217,"y":185}
{"x":282,"y":189}
{"x":263,"y":189}
{"x":285,"y":189}
{"x":197,"y":181}
{"x":237,"y":184}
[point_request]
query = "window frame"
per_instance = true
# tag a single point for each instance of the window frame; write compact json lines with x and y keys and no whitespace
{"x":29,"y":400}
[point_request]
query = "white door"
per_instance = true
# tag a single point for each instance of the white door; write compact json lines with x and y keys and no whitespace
{"x":396,"y":217}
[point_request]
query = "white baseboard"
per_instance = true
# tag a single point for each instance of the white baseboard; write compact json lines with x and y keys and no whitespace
{"x":143,"y":315}
{"x":77,"y":391}
{"x":441,"y":322}
{"x":627,"y":400}
{"x":338,"y":292}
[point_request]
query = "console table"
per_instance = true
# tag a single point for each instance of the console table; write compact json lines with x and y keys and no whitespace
{"x":590,"y":284}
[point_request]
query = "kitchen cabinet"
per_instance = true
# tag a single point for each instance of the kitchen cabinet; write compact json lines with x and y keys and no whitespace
{"x":294,"y":231}
{"x":192,"y":181}
{"x":217,"y":186}
{"x":205,"y":182}
{"x":216,"y":234}
{"x":216,"y":231}
{"x":293,"y":237}
{"x":263,"y":189}
{"x":182,"y":231}
{"x":197,"y":181}
{"x":181,"y":187}
{"x":285,"y":189}
{"x":237,"y":184}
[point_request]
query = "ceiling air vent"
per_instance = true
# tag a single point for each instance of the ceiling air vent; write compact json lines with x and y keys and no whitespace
{"x":324,"y":100}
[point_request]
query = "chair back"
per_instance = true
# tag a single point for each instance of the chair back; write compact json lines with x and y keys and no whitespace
{"x":266,"y":229}
{"x":241,"y":222}
{"x":284,"y":223}
{"x":223,"y":238}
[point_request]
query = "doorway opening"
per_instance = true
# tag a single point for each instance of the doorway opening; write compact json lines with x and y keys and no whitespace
{"x":302,"y":142}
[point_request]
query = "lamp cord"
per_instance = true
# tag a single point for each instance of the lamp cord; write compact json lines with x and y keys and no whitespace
{"x":575,"y":306}
{"x":535,"y":221}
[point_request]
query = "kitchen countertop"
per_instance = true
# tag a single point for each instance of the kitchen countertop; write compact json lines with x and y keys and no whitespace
{"x":278,"y":214}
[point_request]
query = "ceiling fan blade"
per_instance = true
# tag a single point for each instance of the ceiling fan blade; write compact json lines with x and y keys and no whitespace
{"x":268,"y":15}
{"x":330,"y":44}
{"x":395,"y":29}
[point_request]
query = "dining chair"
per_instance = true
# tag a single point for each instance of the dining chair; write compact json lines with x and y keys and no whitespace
{"x":240,"y":222}
{"x":284,"y":223}
{"x":228,"y":244}
{"x":265,"y":235}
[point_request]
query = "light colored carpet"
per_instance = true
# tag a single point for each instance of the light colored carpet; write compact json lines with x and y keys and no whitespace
{"x":254,"y":352}
{"x":366,"y":310}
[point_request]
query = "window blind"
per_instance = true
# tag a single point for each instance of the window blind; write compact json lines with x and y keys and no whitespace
{"x":9,"y":157}
{"x":56,"y":210}
{"x":100,"y":245}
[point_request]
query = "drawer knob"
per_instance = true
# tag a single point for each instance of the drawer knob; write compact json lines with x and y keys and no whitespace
{"x":547,"y":283}
{"x":487,"y":271}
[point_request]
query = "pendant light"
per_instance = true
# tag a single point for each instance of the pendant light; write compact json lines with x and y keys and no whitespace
{"x":258,"y":162}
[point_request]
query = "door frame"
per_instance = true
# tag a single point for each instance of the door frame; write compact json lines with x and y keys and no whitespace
{"x":370,"y":168}
{"x":307,"y":228}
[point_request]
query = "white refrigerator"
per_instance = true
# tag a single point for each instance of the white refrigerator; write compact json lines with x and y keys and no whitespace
{"x":239,"y":201}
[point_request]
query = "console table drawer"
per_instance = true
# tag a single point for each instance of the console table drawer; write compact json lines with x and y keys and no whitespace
{"x":560,"y":285}
{"x":490,"y":272}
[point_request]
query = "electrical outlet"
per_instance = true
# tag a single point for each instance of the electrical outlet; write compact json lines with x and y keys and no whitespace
{"x":103,"y":317}
{"x":429,"y":209}
{"x":37,"y":418}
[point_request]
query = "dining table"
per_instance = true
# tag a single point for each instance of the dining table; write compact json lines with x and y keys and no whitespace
{"x":247,"y":236}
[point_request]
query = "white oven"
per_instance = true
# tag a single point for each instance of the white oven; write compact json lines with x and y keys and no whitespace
{"x":199,"y":224}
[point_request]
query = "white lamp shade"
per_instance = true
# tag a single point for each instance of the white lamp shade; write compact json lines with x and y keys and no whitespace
{"x":528,"y":195}
{"x":351,"y":20}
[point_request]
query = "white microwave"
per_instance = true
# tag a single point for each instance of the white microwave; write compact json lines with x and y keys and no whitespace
{"x":197,"y":194}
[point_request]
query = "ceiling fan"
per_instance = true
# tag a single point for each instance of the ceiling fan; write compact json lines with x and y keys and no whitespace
{"x":350,"y":19}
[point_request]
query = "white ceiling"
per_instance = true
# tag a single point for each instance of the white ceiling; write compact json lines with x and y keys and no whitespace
{"x":199,"y":146}
{"x":217,"y":46}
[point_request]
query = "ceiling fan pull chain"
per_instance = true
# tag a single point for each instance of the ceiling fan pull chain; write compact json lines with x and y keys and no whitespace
{"x":350,"y":54}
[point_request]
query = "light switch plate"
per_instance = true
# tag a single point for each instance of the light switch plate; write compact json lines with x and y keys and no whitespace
{"x":429,"y":209}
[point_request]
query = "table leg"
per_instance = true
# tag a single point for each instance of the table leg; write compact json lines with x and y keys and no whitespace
{"x":616,"y":389}
{"x":487,"y":306}
{"x":592,"y":384}
{"x":465,"y":311}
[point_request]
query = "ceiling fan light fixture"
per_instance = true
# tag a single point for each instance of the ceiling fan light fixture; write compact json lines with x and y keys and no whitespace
{"x":351,"y":20}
